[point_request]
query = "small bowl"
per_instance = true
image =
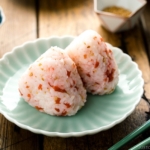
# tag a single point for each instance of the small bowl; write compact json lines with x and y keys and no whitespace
{"x":117,"y":23}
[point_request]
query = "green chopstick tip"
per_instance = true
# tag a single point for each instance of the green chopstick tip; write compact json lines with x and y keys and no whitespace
{"x":131,"y":136}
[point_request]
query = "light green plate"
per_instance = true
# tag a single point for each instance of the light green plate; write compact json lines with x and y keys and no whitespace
{"x":99,"y":113}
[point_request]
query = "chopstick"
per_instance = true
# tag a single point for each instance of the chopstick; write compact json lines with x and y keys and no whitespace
{"x":131,"y":136}
{"x":142,"y":145}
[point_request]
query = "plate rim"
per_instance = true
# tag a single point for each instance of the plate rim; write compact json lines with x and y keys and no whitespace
{"x":70,"y":134}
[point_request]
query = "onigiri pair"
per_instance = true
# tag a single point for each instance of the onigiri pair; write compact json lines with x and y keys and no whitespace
{"x":58,"y":81}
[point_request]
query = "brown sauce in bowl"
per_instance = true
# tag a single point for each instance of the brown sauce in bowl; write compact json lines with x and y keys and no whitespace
{"x":118,"y":11}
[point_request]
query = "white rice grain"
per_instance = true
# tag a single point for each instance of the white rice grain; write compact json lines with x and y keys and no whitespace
{"x":95,"y":62}
{"x":52,"y":84}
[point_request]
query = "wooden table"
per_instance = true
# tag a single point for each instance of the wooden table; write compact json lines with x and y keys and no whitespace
{"x":30,"y":19}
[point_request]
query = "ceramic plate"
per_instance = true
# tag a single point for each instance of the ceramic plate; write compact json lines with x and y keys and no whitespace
{"x":99,"y":113}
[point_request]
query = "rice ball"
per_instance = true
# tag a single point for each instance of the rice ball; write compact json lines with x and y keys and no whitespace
{"x":95,"y":62}
{"x":52,"y":84}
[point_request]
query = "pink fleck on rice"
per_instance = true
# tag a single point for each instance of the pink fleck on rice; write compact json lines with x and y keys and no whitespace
{"x":95,"y":62}
{"x":52,"y":84}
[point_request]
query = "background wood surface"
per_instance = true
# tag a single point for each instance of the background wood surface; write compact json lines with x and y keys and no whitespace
{"x":30,"y":19}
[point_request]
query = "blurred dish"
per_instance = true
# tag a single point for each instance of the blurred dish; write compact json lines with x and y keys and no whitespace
{"x":2,"y":16}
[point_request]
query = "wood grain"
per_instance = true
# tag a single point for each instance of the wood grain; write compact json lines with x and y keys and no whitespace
{"x":71,"y":18}
{"x":145,"y":20}
{"x":20,"y":24}
{"x":26,"y":20}
{"x":137,"y":118}
{"x":30,"y":144}
{"x":19,"y":27}
{"x":136,"y":49}
{"x":58,"y":21}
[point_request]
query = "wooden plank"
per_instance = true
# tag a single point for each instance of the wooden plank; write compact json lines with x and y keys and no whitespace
{"x":19,"y":27}
{"x":59,"y":18}
{"x":135,"y":120}
{"x":78,"y":143}
{"x":55,"y":18}
{"x":101,"y":140}
{"x":145,"y":20}
{"x":136,"y":49}
{"x":72,"y":18}
{"x":20,"y":24}
{"x":52,"y":143}
{"x":11,"y":134}
{"x":134,"y":46}
{"x":30,"y":144}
